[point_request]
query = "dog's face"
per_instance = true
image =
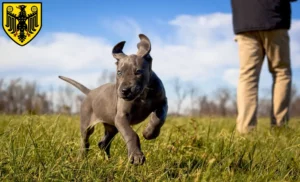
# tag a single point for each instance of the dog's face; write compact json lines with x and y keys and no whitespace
{"x":133,"y":71}
{"x":133,"y":74}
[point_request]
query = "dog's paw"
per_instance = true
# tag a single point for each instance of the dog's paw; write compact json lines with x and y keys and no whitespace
{"x":102,"y":145}
{"x":105,"y":147}
{"x":137,"y":158}
{"x":151,"y":133}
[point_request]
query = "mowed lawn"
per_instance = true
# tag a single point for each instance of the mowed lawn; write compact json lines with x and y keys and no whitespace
{"x":46,"y":148}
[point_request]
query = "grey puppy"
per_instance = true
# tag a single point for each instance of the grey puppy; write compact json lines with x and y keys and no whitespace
{"x":137,"y":93}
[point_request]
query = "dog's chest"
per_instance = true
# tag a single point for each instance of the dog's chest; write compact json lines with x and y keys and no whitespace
{"x":141,"y":110}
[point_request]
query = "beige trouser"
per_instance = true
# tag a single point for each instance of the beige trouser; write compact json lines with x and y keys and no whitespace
{"x":253,"y":47}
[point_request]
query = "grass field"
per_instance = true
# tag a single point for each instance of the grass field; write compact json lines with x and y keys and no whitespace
{"x":45,"y":148}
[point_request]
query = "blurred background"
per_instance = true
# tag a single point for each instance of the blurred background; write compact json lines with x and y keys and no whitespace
{"x":193,"y":52}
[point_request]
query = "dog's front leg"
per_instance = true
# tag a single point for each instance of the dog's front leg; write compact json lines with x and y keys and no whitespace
{"x":157,"y":120}
{"x":131,"y":138}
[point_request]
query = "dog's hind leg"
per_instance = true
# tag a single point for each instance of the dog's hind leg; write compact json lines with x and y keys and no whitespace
{"x":157,"y":120}
{"x":86,"y":129}
{"x":85,"y":144}
{"x":109,"y":133}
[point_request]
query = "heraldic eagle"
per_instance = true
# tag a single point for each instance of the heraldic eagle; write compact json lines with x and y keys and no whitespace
{"x":21,"y":26}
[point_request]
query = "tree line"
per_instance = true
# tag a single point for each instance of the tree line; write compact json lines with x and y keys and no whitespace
{"x":19,"y":96}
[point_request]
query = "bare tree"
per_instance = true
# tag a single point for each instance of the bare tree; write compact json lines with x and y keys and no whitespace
{"x":66,"y":99}
{"x":223,"y":96}
{"x":192,"y":93}
{"x":265,"y":103}
{"x":295,"y":102}
{"x":180,"y":92}
{"x":20,"y":97}
{"x":2,"y":95}
{"x":293,"y":92}
{"x":79,"y":99}
{"x":233,"y":110}
{"x":204,"y":108}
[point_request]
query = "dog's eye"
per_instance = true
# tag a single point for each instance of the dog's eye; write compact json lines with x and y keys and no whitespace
{"x":119,"y":73}
{"x":139,"y":72}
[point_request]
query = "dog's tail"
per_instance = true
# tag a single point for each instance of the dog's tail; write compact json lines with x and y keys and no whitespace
{"x":76,"y":84}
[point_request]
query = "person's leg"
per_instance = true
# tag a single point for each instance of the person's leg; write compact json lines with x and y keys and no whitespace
{"x":251,"y":55}
{"x":277,"y":48}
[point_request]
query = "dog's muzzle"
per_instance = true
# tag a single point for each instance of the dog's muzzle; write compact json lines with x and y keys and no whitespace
{"x":130,"y":93}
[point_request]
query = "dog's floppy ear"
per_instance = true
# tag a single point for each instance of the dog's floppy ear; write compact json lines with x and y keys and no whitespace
{"x":144,"y":46}
{"x":117,"y":51}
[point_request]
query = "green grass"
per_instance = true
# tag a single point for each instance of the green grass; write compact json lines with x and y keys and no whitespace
{"x":46,"y":148}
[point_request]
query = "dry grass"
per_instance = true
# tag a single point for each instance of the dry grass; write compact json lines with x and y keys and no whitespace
{"x":45,"y":148}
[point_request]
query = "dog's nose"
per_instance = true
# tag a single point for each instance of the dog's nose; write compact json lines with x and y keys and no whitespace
{"x":126,"y":91}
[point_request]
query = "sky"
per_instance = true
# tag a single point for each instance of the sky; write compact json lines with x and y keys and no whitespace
{"x":191,"y":40}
